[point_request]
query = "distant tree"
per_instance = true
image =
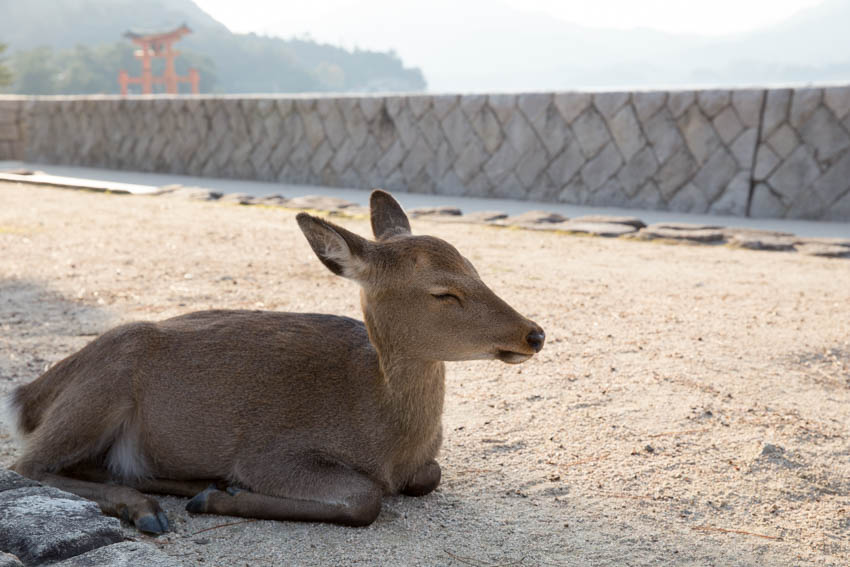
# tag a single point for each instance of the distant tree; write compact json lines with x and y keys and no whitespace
{"x":91,"y":69}
{"x":35,"y":71}
{"x":5,"y":73}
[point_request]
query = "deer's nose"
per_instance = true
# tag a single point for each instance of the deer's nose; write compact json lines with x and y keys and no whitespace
{"x":535,"y":340}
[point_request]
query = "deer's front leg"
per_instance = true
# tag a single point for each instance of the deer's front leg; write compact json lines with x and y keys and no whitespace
{"x":317,"y":492}
{"x":424,"y":480}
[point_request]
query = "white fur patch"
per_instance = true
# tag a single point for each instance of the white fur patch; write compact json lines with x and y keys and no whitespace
{"x":125,"y":459}
{"x":10,"y":417}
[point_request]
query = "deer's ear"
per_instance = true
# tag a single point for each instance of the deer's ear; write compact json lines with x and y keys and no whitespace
{"x":388,"y":218}
{"x":340,"y":250}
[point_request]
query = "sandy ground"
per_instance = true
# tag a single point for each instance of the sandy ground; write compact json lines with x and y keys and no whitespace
{"x":691,"y":406}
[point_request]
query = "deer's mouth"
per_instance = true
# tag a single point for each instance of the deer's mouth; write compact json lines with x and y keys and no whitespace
{"x":512,"y":357}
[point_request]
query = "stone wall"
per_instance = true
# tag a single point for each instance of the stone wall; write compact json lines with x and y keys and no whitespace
{"x":756,"y":152}
{"x":11,"y":131}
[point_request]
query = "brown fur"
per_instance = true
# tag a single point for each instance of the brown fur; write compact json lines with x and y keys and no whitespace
{"x":304,"y":416}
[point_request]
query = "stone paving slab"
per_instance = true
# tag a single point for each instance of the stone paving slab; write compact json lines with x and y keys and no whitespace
{"x":42,"y":524}
{"x":125,"y":554}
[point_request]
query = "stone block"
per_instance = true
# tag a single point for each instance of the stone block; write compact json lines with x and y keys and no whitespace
{"x":571,"y":105}
{"x":664,"y":135}
{"x":601,"y":168}
{"x":509,"y":188}
{"x":590,"y":132}
{"x":806,"y":205}
{"x":429,"y":126}
{"x":626,"y":132}
{"x":794,"y":175}
{"x":688,"y":199}
{"x":609,"y":104}
{"x":637,"y":171}
{"x":125,"y":554}
{"x":321,"y":157}
{"x":712,"y":102}
{"x":395,"y":105}
{"x":503,"y":105}
{"x":775,"y":110}
{"x":419,"y":104}
{"x":535,"y":217}
{"x":699,"y":134}
{"x":469,"y":161}
{"x":566,"y":165}
{"x":9,"y":132}
{"x":783,"y":141}
{"x":41,"y":524}
{"x":765,"y":204}
{"x":502,"y":163}
{"x":763,"y":242}
{"x":823,"y":250}
{"x":486,"y":125}
{"x":530,"y":166}
{"x":417,"y":159}
{"x":837,"y":99}
{"x":716,"y":174}
{"x":675,"y":172}
{"x":608,"y":229}
{"x":648,"y":103}
{"x":633,"y":222}
{"x":334,"y":124}
{"x":391,"y":158}
{"x":727,"y":125}
{"x":574,"y":192}
{"x":766,"y":162}
{"x":458,"y":130}
{"x":804,"y":102}
{"x":443,"y":104}
{"x":611,"y":194}
{"x":444,"y":157}
{"x":371,"y":107}
{"x":679,"y":101}
{"x":533,"y":105}
{"x":383,"y":130}
{"x":648,"y":197}
{"x":839,"y":210}
{"x":824,"y":135}
{"x":520,"y":135}
{"x":551,"y":129}
{"x":405,"y":126}
{"x":734,"y":198}
{"x":835,"y":181}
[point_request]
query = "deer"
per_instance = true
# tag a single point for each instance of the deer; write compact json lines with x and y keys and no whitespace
{"x":275,"y":415}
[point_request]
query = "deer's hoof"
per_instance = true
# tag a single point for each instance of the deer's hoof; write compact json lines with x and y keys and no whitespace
{"x":152,"y":523}
{"x":200,"y":502}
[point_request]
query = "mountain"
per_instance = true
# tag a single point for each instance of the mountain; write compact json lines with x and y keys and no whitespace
{"x":240,"y":62}
{"x":486,"y":45}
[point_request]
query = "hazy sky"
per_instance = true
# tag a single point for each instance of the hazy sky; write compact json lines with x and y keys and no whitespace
{"x":716,"y":17}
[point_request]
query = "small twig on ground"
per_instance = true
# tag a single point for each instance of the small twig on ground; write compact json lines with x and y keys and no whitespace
{"x":222,"y":526}
{"x":727,"y":531}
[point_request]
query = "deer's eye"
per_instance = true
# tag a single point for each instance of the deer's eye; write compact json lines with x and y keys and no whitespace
{"x":446,"y":297}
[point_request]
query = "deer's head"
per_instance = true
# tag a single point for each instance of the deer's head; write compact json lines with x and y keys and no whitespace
{"x":421,"y":298}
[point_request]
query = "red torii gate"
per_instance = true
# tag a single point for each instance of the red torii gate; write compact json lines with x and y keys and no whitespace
{"x":158,"y":45}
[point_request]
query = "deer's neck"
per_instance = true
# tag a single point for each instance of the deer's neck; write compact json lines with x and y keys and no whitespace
{"x":414,"y":388}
